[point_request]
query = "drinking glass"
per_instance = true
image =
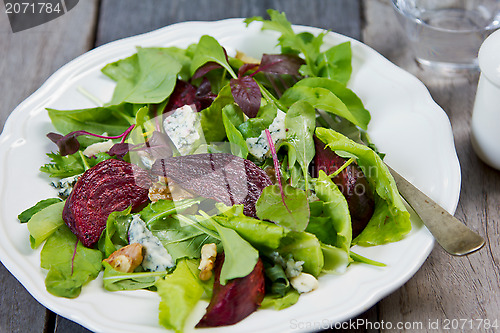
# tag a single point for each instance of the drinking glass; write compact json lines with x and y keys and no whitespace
{"x":446,"y":34}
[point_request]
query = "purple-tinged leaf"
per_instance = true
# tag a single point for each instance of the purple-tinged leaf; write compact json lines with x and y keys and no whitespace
{"x":281,"y":64}
{"x":245,"y":68}
{"x":160,"y":145}
{"x":119,"y":149}
{"x":246,"y":93}
{"x":276,"y":163}
{"x":184,"y":94}
{"x":204,"y":94}
{"x":203,"y":70}
{"x":68,"y":144}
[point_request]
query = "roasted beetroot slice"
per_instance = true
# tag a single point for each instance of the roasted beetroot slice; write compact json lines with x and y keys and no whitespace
{"x":351,"y":181}
{"x":237,"y":299}
{"x":225,"y":178}
{"x":112,"y":185}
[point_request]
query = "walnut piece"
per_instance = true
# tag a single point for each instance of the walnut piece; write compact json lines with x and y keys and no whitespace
{"x":127,"y":258}
{"x":208,"y":254}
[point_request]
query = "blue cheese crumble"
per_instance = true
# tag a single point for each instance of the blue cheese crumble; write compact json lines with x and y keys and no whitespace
{"x":65,"y":185}
{"x":183,"y":127}
{"x":259,"y":146}
{"x":156,"y":257}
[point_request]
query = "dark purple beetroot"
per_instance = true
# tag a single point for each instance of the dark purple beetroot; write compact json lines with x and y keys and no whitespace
{"x":351,"y":181}
{"x":226,"y":178}
{"x":112,"y":185}
{"x":237,"y":299}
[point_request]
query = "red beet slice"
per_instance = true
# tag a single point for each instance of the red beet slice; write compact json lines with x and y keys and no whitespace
{"x":237,"y":299}
{"x":111,"y":185}
{"x":351,"y":181}
{"x":223,"y":177}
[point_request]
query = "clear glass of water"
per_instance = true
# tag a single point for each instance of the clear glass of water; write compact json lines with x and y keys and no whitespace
{"x":446,"y":34}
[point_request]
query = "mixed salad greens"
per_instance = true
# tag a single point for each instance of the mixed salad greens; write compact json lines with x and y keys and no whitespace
{"x":248,"y":155}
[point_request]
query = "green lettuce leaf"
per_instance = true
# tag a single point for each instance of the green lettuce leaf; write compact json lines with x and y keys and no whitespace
{"x":238,"y":144}
{"x":27,"y":214}
{"x":44,"y":223}
{"x":179,"y":292}
{"x":391,"y":220}
{"x":211,"y":117}
{"x":278,"y":302}
{"x":306,"y":247}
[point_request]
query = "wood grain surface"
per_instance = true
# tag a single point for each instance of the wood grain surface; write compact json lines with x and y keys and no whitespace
{"x":444,"y":288}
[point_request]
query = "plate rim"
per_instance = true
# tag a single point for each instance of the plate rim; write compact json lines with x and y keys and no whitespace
{"x":59,"y":77}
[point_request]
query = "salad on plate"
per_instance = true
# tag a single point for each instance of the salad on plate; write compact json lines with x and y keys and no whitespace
{"x":216,"y":176}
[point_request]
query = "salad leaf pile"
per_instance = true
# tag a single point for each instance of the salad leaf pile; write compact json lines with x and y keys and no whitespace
{"x":268,"y":112}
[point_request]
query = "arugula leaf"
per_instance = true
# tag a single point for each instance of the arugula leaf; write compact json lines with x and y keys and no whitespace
{"x":68,"y":269}
{"x":335,"y":63}
{"x":179,"y":292}
{"x":115,"y":235}
{"x":181,"y":241}
{"x":152,"y":81}
{"x":240,"y":257}
{"x":27,"y":214}
{"x":300,"y":121}
{"x":209,"y":50}
{"x":390,"y":221}
{"x":347,"y":96}
{"x":253,"y":127}
{"x":44,"y":223}
{"x":114,"y":280}
{"x":238,"y":144}
{"x":293,"y":213}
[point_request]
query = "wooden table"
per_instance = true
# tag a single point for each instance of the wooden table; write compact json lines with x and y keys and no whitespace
{"x":445,"y":288}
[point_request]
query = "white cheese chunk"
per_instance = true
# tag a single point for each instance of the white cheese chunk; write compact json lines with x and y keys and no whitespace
{"x":65,"y":185}
{"x":304,"y":283}
{"x":156,"y":257}
{"x":259,"y":146}
{"x":183,"y":127}
{"x":99,"y":147}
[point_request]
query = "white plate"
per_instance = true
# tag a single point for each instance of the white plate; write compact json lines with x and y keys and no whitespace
{"x":406,"y":124}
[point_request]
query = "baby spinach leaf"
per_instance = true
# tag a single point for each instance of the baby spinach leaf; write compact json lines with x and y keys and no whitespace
{"x":68,"y":269}
{"x":114,"y":280}
{"x":153,"y":80}
{"x":238,"y":143}
{"x":44,"y":223}
{"x":293,"y":213}
{"x":123,"y":69}
{"x":26,"y":215}
{"x":181,"y":241}
{"x":112,"y":119}
{"x":211,"y":117}
{"x":335,"y":207}
{"x":300,"y":121}
{"x":347,"y":96}
{"x":209,"y":50}
{"x":179,"y":292}
{"x":390,"y":221}
{"x":240,"y":256}
{"x":306,"y":247}
{"x":335,"y":63}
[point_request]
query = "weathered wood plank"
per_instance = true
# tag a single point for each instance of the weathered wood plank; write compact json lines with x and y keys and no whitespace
{"x":27,"y":59}
{"x":116,"y":15}
{"x":446,"y":287}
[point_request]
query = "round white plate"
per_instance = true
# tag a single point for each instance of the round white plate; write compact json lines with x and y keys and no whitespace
{"x":406,"y":124}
